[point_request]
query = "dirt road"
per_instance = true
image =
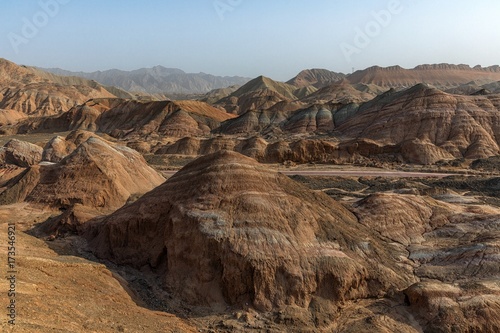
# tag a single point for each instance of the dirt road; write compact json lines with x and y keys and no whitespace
{"x":353,"y":173}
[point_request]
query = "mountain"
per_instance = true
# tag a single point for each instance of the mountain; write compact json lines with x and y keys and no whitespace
{"x":441,"y":76}
{"x":157,"y":80}
{"x":318,"y":78}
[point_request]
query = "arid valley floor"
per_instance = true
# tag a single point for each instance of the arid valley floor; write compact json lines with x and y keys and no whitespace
{"x":367,"y":202}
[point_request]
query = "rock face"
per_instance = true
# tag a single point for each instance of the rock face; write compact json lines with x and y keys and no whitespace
{"x":96,"y":174}
{"x":20,"y":153}
{"x":226,"y":230}
{"x":253,"y":121}
{"x":57,"y":149}
{"x":314,"y":119}
{"x":280,"y":151}
{"x":455,"y":249}
{"x":10,"y":117}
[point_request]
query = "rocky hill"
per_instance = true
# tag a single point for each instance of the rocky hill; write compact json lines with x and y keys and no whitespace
{"x":226,"y":230}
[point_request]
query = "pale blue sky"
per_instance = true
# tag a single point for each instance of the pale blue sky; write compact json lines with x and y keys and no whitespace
{"x":276,"y":38}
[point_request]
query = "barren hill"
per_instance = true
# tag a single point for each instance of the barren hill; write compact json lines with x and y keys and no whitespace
{"x":342,"y":92}
{"x":261,"y":83}
{"x":24,"y":90}
{"x":420,"y":125}
{"x":226,"y":230}
{"x":262,"y":93}
{"x":130,"y":118}
{"x":96,"y":174}
{"x":215,"y":95}
{"x":429,"y":124}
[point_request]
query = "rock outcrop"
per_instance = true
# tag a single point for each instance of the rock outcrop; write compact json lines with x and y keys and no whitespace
{"x":57,"y":149}
{"x":20,"y":153}
{"x":456,"y":251}
{"x":226,"y":230}
{"x":65,"y":293}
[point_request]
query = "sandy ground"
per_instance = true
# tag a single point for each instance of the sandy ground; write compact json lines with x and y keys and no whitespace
{"x":64,"y":293}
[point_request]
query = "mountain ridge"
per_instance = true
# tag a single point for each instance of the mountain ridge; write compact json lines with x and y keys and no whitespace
{"x":156,"y":80}
{"x":443,"y":76}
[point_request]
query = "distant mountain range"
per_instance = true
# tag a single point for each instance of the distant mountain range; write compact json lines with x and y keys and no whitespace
{"x":453,"y":114}
{"x":157,"y":80}
{"x":162,"y":81}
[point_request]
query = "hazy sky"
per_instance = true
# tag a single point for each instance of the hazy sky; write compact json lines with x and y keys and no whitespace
{"x":276,"y":38}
